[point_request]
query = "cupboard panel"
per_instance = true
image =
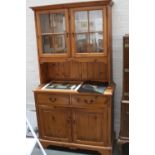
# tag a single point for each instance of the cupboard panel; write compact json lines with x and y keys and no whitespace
{"x":89,"y":126}
{"x":73,"y":70}
{"x":55,"y":123}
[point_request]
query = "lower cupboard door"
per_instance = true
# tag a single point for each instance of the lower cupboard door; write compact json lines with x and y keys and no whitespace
{"x":54,"y":124}
{"x":89,"y":126}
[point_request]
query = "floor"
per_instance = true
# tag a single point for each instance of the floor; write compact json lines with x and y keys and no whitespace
{"x":62,"y":151}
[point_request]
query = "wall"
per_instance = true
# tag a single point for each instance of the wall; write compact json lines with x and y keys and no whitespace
{"x":120,"y":26}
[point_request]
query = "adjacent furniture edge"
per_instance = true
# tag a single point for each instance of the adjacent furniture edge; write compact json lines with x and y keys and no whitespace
{"x":123,"y":141}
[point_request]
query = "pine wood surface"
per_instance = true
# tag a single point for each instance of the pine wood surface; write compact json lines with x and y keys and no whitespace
{"x":69,"y":118}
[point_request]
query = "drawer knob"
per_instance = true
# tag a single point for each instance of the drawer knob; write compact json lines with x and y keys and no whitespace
{"x":52,"y":99}
{"x":53,"y":118}
{"x":85,"y":101}
{"x":78,"y":99}
{"x":89,"y":102}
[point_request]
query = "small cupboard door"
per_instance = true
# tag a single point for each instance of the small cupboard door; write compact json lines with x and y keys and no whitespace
{"x":89,"y":126}
{"x":89,"y":31}
{"x":53,"y":33}
{"x":54,"y":124}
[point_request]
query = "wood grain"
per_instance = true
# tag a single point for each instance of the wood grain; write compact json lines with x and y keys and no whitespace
{"x":69,"y":118}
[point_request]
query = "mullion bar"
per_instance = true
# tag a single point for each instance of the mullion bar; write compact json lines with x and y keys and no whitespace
{"x":103,"y":30}
{"x":89,"y":32}
{"x":44,"y":34}
{"x":53,"y":38}
{"x":88,"y":37}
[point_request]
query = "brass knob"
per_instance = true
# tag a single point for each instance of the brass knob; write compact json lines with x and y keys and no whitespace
{"x":53,"y":118}
{"x":85,"y":101}
{"x":52,"y":99}
{"x":91,"y":101}
{"x":78,"y":99}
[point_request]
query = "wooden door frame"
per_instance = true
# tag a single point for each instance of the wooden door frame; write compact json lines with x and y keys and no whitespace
{"x":39,"y":36}
{"x":101,"y":111}
{"x":42,"y":127}
{"x":72,"y":19}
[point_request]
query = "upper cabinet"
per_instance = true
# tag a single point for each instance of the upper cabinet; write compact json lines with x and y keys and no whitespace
{"x":88,"y":31}
{"x":74,"y":41}
{"x":53,"y":33}
{"x":73,"y":31}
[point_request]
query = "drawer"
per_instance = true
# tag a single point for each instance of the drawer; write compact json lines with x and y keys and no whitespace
{"x":80,"y":100}
{"x":52,"y":99}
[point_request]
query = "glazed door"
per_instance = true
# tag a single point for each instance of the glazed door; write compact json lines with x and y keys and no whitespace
{"x":54,"y":124}
{"x":89,"y":126}
{"x":53,"y":38}
{"x":89,"y":31}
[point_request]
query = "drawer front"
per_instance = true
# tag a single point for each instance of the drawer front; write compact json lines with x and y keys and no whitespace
{"x":52,"y":99}
{"x":99,"y":101}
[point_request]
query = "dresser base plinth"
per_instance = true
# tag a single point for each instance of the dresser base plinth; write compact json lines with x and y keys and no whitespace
{"x":101,"y":149}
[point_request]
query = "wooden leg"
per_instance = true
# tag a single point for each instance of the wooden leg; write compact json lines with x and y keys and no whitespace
{"x":45,"y":145}
{"x":106,"y":152}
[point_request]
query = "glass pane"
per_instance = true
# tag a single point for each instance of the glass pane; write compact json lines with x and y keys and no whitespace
{"x":81,"y":43}
{"x":47,"y":43}
{"x":46,"y":23}
{"x":96,"y":20}
{"x":52,"y":23}
{"x":60,"y":44}
{"x":96,"y":42}
{"x":59,"y":22}
{"x":81,"y":21}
